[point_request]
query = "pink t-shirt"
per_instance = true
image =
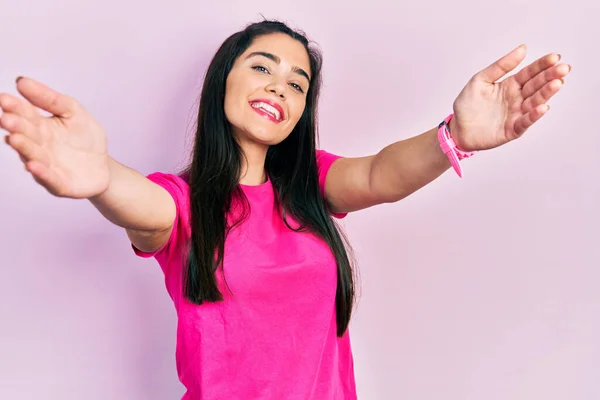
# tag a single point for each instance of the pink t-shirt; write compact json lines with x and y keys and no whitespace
{"x":275,"y":336}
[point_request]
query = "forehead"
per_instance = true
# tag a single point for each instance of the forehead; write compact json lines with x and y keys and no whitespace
{"x":291,"y":52}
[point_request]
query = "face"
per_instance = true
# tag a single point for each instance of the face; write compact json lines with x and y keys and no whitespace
{"x":266,"y":89}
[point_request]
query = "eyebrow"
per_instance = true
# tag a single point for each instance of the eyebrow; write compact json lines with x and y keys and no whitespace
{"x":276,"y":59}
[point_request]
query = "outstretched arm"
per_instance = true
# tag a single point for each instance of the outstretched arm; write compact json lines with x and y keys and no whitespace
{"x":66,"y":154}
{"x":487,"y":114}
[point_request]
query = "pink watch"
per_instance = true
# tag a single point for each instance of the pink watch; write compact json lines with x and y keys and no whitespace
{"x":449,"y":146}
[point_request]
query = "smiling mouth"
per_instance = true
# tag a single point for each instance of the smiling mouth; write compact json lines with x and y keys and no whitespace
{"x":267,"y":110}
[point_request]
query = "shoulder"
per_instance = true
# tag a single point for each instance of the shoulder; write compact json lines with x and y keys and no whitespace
{"x":177,"y":185}
{"x":324,"y":161}
{"x":179,"y":189}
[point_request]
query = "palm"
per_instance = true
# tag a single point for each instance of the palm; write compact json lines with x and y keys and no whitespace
{"x":489,"y":114}
{"x":78,"y":158}
{"x":65,"y":153}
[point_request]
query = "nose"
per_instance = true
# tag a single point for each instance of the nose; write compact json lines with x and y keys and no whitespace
{"x":277,"y":88}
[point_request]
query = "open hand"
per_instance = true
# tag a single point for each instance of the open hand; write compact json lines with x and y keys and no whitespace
{"x":488,"y":113}
{"x":66,"y":152}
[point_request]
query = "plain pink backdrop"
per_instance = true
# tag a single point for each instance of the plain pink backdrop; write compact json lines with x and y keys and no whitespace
{"x":485,"y":287}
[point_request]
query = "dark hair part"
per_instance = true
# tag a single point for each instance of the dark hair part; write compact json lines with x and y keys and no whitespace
{"x":214,"y":174}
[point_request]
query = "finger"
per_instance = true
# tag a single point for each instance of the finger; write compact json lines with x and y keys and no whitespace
{"x":14,"y":123}
{"x":533,"y":85}
{"x":502,"y":66}
{"x":525,"y":121}
{"x":44,"y":176}
{"x":45,"y":98}
{"x":542,"y":96}
{"x":23,"y":159}
{"x":28,"y":150}
{"x":15,"y":105}
{"x":533,"y":69}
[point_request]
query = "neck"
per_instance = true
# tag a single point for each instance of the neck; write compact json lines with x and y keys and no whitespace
{"x":253,"y":164}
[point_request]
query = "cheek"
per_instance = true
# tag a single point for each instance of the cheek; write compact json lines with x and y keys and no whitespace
{"x":229,"y":109}
{"x":232,"y":108}
{"x":296,"y":110}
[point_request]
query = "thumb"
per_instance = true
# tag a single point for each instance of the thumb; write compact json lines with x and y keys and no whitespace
{"x":45,"y":98}
{"x":503,"y":66}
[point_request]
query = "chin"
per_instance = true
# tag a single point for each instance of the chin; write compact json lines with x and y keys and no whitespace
{"x":265,"y":137}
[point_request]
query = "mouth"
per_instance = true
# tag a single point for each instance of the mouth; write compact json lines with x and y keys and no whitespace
{"x":268,"y":109}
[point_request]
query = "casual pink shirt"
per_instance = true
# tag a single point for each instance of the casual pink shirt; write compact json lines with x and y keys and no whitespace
{"x":275,"y":336}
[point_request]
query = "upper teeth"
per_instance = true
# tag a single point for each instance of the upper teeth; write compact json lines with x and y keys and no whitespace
{"x":268,"y":108}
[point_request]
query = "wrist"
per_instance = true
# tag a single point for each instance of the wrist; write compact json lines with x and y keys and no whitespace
{"x":453,"y":129}
{"x":440,"y":154}
{"x":111,"y":164}
{"x":448,"y":144}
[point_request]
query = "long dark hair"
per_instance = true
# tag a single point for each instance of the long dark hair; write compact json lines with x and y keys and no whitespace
{"x":214,"y":174}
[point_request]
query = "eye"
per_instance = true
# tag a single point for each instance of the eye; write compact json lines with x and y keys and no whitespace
{"x":297,"y":87}
{"x":260,"y":69}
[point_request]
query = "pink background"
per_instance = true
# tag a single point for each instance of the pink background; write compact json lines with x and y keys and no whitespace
{"x":481,"y":288}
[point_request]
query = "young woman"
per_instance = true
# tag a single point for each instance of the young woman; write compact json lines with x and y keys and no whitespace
{"x":257,"y":270}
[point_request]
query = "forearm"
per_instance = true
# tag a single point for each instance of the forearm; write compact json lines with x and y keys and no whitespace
{"x":406,"y":166}
{"x":134,"y":202}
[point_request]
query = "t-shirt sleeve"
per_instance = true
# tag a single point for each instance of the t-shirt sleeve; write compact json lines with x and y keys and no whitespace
{"x":324,"y":161}
{"x":179,"y":191}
